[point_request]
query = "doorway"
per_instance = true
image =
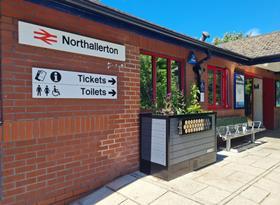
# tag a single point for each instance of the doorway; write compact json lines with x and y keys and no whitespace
{"x":258,"y":99}
{"x":268,"y":102}
{"x":249,"y":84}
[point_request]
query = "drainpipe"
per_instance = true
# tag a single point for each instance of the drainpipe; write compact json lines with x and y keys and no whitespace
{"x":199,"y":71}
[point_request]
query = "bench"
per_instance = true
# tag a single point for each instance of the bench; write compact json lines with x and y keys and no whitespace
{"x":229,"y":128}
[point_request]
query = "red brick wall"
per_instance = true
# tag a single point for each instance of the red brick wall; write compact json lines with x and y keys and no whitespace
{"x":55,"y":149}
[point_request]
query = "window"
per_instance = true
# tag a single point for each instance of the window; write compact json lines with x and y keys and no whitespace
{"x":217,"y":87}
{"x":146,"y":83}
{"x":161,"y":79}
{"x":160,"y":75}
{"x":175,"y":76}
{"x":278,"y":93}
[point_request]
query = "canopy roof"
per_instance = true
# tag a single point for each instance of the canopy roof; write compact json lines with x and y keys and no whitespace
{"x":262,"y":46}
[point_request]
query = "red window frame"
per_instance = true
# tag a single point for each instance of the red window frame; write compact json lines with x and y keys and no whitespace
{"x":224,"y":101}
{"x":169,"y":77}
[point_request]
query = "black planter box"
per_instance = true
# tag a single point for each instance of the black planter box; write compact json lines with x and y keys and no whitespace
{"x":175,"y":145}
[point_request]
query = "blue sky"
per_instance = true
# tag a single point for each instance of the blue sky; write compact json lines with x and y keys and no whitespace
{"x":191,"y":17}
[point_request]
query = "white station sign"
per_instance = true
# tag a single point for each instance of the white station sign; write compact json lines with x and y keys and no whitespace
{"x":48,"y":83}
{"x":40,"y":36}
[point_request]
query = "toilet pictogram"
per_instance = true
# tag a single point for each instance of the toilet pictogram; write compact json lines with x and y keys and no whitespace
{"x":39,"y":90}
{"x":47,"y":90}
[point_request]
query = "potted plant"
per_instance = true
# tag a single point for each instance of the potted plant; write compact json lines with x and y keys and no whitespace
{"x":177,"y":138}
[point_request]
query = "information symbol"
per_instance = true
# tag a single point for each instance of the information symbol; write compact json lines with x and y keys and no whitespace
{"x":55,"y":76}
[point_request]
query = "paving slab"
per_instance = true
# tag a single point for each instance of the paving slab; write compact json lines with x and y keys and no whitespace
{"x":265,"y":163}
{"x":226,"y":184}
{"x":245,"y":168}
{"x":247,"y":160}
{"x":186,"y":185}
{"x":241,"y":201}
{"x":272,"y":199}
{"x":273,"y":176}
{"x":255,"y":194}
{"x":274,"y":155}
{"x":171,"y":198}
{"x":121,"y":182}
{"x":261,"y":153}
{"x":212,"y":195}
{"x":277,"y":169}
{"x":269,"y":186}
{"x":142,"y":192}
{"x":241,"y":177}
{"x":103,"y":196}
{"x":215,"y":174}
{"x":128,"y":202}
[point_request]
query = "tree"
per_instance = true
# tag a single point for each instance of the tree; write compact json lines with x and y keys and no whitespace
{"x":229,"y":36}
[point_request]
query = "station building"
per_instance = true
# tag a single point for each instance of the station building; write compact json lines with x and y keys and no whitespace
{"x":70,"y":91}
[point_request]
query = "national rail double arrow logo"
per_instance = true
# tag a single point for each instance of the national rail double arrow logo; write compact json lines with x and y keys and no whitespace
{"x":45,"y":36}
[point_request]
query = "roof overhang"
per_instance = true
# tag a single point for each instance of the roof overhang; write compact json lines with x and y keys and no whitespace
{"x":275,"y":67}
{"x":271,"y":63}
{"x":101,"y":13}
{"x":265,"y":59}
{"x":104,"y":14}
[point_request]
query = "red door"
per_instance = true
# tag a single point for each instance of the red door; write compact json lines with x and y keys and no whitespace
{"x":268,"y":102}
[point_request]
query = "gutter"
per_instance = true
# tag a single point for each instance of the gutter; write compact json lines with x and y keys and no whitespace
{"x":265,"y":59}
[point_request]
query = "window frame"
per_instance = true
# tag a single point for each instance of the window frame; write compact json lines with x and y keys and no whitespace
{"x":225,"y":90}
{"x":276,"y":105}
{"x":154,"y":57}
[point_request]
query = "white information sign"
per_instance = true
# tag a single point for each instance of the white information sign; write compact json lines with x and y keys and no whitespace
{"x":40,"y":36}
{"x":239,"y":90}
{"x":48,"y":83}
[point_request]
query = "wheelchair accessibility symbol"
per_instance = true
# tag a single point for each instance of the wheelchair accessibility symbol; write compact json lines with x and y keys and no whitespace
{"x":55,"y":91}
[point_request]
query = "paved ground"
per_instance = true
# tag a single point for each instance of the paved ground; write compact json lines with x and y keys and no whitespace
{"x":247,"y":178}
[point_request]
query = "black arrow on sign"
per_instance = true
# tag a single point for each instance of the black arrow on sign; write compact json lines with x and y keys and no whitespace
{"x":113,"y":81}
{"x":113,"y":93}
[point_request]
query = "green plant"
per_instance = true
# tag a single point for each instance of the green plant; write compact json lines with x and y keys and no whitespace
{"x":146,"y":82}
{"x":193,"y":105}
{"x":168,"y":108}
{"x":176,"y":103}
{"x":179,"y":102}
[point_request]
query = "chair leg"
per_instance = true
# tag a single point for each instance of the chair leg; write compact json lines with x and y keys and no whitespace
{"x":253,"y":138}
{"x":228,"y":144}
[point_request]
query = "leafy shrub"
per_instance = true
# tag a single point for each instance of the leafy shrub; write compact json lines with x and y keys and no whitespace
{"x":178,"y":104}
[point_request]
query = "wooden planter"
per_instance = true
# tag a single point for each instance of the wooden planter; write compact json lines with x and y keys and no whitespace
{"x":175,"y":145}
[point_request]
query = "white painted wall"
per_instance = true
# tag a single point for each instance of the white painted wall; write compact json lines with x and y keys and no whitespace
{"x":258,"y":99}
